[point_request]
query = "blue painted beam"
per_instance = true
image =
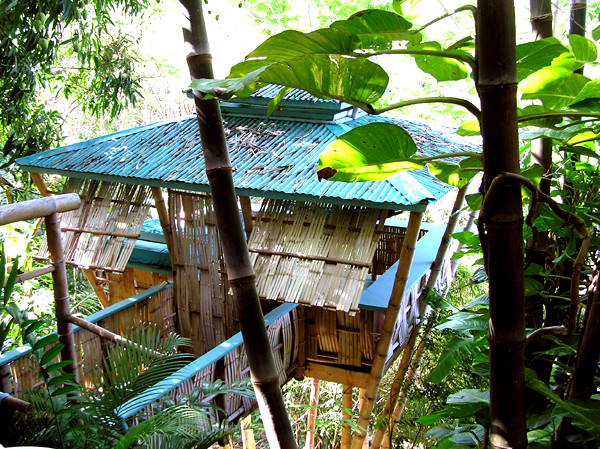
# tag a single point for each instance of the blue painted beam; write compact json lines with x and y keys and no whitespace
{"x":167,"y":385}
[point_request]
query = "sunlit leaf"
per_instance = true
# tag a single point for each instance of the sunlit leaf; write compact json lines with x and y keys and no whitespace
{"x":372,"y":152}
{"x":457,"y":175}
{"x":583,"y":49}
{"x":559,"y":94}
{"x":442,"y":69}
{"x":561,"y":68}
{"x":534,"y":173}
{"x":292,"y":44}
{"x":378,"y":29}
{"x":533,"y":56}
{"x":584,"y":136}
{"x":469,"y":128}
{"x":355,"y":80}
{"x":589,"y":90}
{"x":469,"y":396}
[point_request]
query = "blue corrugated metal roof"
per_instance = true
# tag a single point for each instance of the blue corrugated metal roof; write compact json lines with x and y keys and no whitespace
{"x":271,"y":158}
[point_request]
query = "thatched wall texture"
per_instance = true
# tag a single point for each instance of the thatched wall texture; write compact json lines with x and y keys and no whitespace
{"x":102,"y":233}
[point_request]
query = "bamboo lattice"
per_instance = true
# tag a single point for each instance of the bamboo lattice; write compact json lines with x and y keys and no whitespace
{"x":313,"y":254}
{"x":102,"y":233}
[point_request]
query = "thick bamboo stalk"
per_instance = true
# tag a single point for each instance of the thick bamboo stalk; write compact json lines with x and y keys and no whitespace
{"x":42,"y":207}
{"x":346,"y":407}
{"x":240,"y":271}
{"x":5,"y":384}
{"x":61,"y":293}
{"x":312,"y":415}
{"x":406,"y":256}
{"x":501,"y":225}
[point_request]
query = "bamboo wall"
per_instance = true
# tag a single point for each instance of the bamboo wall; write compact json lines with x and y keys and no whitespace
{"x":131,"y":282}
{"x":158,"y":309}
{"x":204,"y":306}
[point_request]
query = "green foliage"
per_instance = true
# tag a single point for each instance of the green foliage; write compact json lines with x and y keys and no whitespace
{"x":67,"y":415}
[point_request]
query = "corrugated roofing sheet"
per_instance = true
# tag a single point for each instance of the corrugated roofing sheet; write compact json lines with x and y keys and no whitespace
{"x":271,"y":158}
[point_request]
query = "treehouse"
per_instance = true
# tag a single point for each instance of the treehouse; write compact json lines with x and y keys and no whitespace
{"x":325,"y":253}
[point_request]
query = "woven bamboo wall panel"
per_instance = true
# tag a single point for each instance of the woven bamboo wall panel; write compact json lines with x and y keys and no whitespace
{"x":337,"y":337}
{"x":102,"y":233}
{"x":158,"y":310}
{"x":131,"y":282}
{"x":313,"y":254}
{"x":204,"y":307}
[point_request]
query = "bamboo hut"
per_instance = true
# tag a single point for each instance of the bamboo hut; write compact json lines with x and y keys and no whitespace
{"x":323,"y":250}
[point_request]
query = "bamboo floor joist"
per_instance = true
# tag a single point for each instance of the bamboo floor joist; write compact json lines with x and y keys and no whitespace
{"x":313,"y":254}
{"x":103,"y":232}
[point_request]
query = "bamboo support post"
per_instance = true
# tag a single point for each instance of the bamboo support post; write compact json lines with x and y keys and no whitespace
{"x":312,"y":414}
{"x":61,"y":293}
{"x":163,"y":217}
{"x":346,"y":415}
{"x":247,"y":214}
{"x":42,"y":207}
{"x":95,"y":283}
{"x":40,"y":184}
{"x":7,"y":401}
{"x":248,"y":441}
{"x":401,"y":278}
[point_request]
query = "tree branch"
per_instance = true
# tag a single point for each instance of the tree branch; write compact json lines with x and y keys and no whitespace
{"x":451,"y":100}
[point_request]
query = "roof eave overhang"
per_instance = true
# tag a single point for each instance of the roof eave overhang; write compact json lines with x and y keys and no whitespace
{"x":418,"y":207}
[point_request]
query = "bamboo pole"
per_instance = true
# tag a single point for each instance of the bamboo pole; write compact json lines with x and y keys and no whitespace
{"x":501,"y":225}
{"x":434,"y":274}
{"x":41,"y":207}
{"x":32,"y":274}
{"x":62,"y":307}
{"x":163,"y":217}
{"x":312,"y":415}
{"x":240,"y":272}
{"x":346,"y":407}
{"x":40,"y":184}
{"x":370,"y":392}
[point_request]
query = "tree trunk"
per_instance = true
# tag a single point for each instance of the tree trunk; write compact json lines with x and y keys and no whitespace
{"x":240,"y":272}
{"x":346,"y":415}
{"x":501,"y":221}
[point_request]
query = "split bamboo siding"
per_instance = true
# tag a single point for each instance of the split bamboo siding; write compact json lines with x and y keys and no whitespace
{"x":204,"y":307}
{"x":102,"y":233}
{"x":313,"y":254}
{"x":131,"y":282}
{"x":157,"y":310}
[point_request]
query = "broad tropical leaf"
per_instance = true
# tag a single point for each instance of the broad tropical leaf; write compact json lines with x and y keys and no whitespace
{"x":583,"y":49}
{"x":589,"y":90}
{"x":560,"y":93}
{"x":533,"y":56}
{"x":457,"y":175}
{"x":442,"y":69}
{"x":292,"y":44}
{"x":372,"y":152}
{"x":357,"y":81}
{"x":561,"y":68}
{"x":378,"y":29}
